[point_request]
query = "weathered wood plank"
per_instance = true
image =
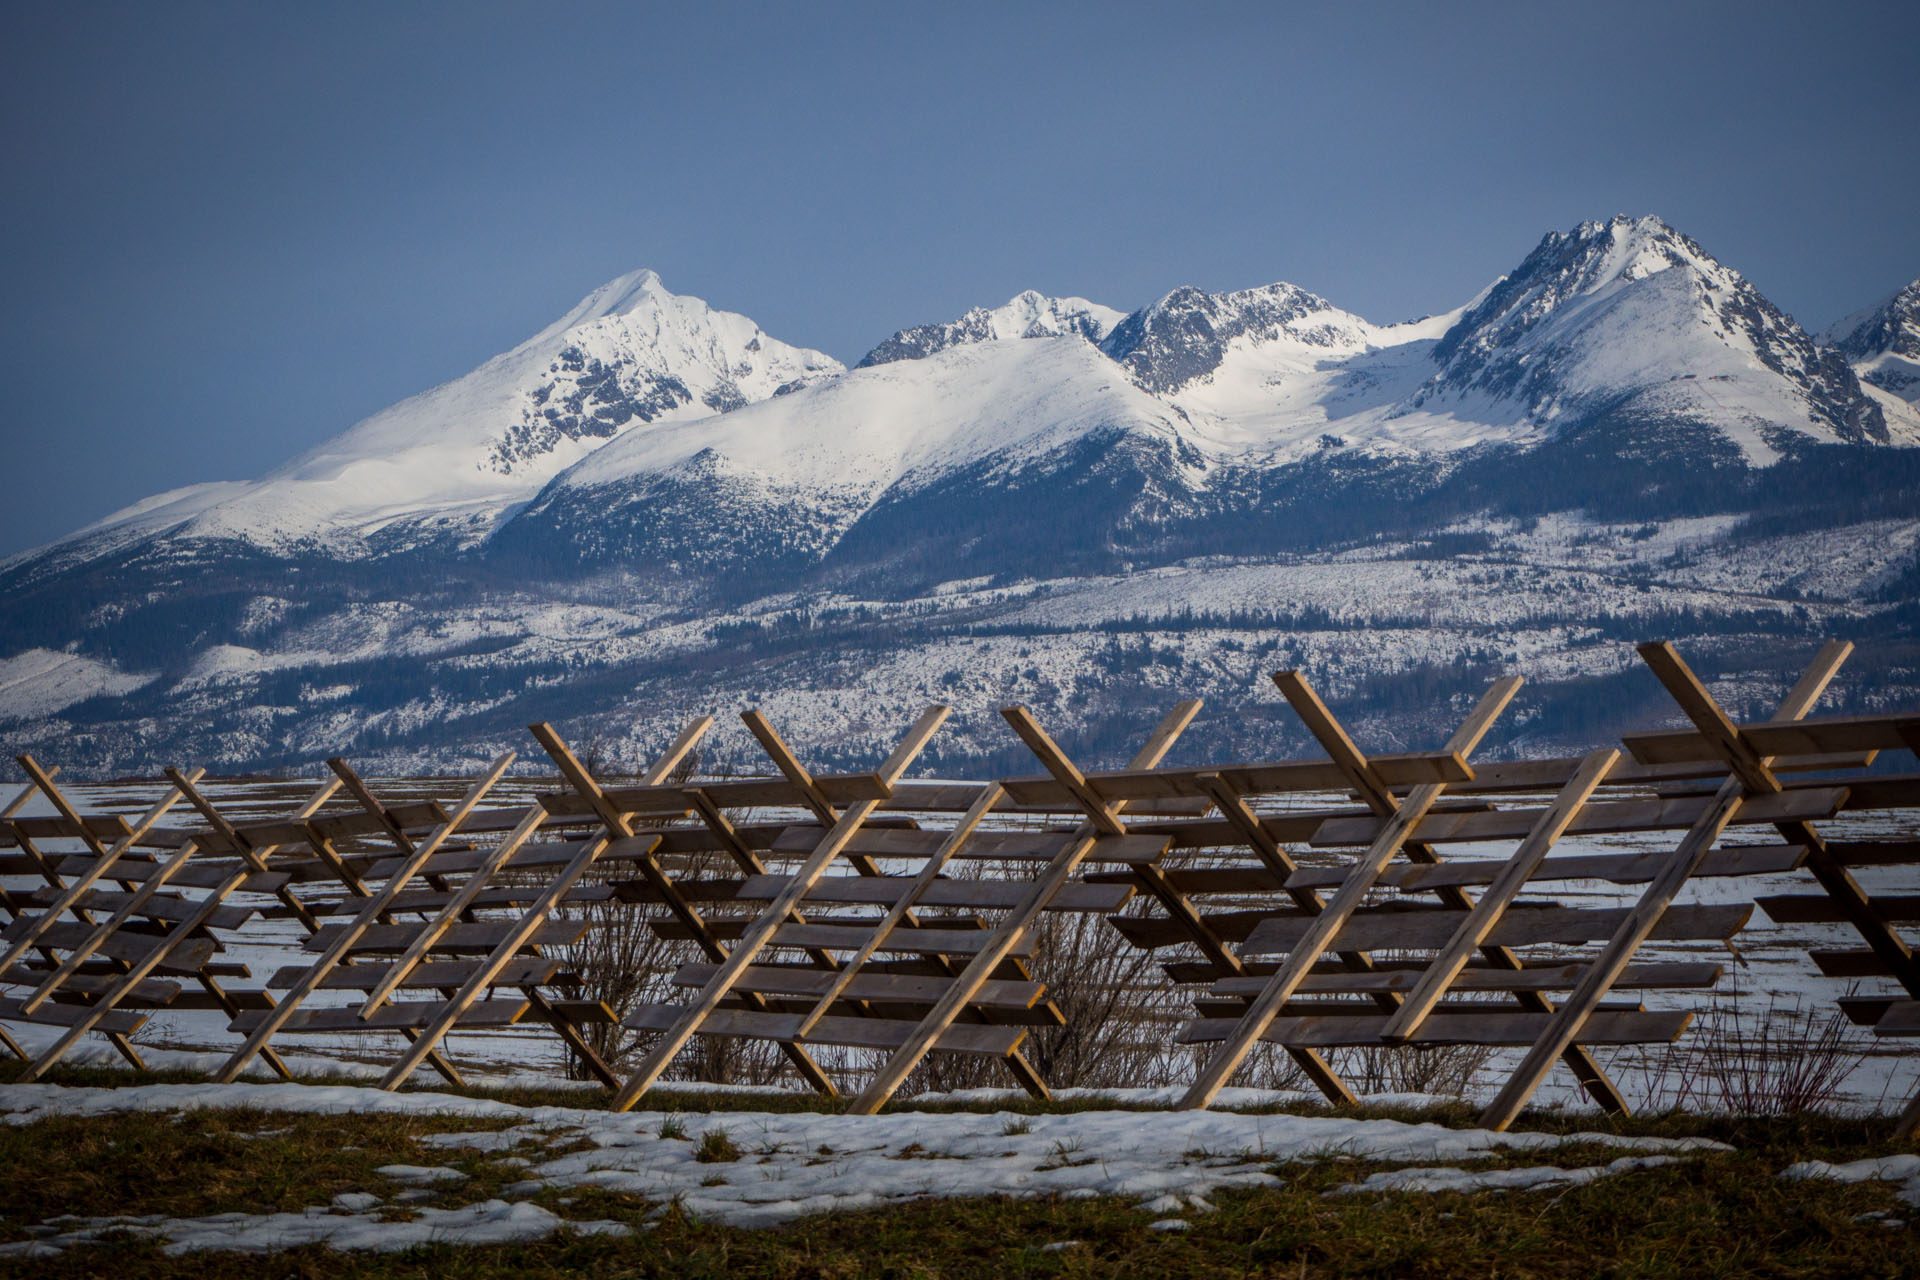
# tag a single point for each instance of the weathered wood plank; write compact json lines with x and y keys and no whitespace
{"x":1503,"y":1028}
{"x":1609,"y":817}
{"x":480,"y":937}
{"x":406,"y":1016}
{"x":1520,"y":926}
{"x":881,"y":987}
{"x":859,"y":1033}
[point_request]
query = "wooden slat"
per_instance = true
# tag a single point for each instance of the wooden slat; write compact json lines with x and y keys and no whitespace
{"x":99,"y":826}
{"x":775,"y":980}
{"x":1802,"y":737}
{"x":1849,"y":963}
{"x":1902,"y":1018}
{"x":1559,"y":977}
{"x":995,"y":845}
{"x":1874,"y":853}
{"x":1519,"y":927}
{"x":408,"y":1016}
{"x":1150,"y":933}
{"x":1414,"y":769}
{"x":433,"y":975}
{"x":1499,"y":1027}
{"x":1820,"y":909}
{"x":859,"y":1033}
{"x":480,"y":937}
{"x":981,"y":895}
{"x":904,"y":938}
{"x":1617,"y":868}
{"x":1672,"y":814}
{"x":131,"y":946}
{"x":159,"y":906}
{"x":53,"y":1014}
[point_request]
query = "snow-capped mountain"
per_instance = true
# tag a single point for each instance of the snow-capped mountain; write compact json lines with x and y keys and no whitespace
{"x":653,"y":502}
{"x":1630,"y":322}
{"x":1883,"y":342}
{"x":779,"y":485}
{"x":446,"y":463}
{"x":1025,"y":315}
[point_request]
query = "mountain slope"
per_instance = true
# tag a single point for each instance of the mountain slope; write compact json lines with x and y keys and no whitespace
{"x":777,"y":485}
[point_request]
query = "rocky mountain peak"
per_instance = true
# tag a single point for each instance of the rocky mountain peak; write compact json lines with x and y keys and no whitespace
{"x":1883,"y":342}
{"x":1029,"y":314}
{"x":1631,"y":305}
{"x":1184,"y":336}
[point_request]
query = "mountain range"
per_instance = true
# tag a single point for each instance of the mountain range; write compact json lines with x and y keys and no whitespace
{"x":652,"y":501}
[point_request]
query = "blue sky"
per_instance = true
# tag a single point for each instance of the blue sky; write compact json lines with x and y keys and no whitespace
{"x":234,"y":230}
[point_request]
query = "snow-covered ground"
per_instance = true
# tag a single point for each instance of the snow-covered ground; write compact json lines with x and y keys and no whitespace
{"x":793,"y":1164}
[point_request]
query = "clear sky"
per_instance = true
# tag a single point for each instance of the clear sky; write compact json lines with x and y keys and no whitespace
{"x":233,"y":230}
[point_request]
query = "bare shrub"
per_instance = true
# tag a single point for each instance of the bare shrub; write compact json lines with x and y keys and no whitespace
{"x":1787,"y":1061}
{"x":1780,"y":1061}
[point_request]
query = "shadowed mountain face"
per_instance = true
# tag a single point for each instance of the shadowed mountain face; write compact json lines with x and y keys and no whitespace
{"x":1883,"y":343}
{"x":651,"y":489}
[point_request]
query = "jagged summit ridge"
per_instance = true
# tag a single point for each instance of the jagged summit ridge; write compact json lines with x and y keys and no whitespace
{"x":1185,"y":336}
{"x":1026,"y":315}
{"x":447,"y":462}
{"x":1622,"y":332}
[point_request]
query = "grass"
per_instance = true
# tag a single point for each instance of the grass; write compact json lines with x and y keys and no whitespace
{"x":1723,"y":1214}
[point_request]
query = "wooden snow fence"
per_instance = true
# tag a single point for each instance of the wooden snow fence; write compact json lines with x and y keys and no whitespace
{"x":114,"y":931}
{"x":455,"y":927}
{"x":1754,"y":756}
{"x":1309,"y":904}
{"x":909,"y":959}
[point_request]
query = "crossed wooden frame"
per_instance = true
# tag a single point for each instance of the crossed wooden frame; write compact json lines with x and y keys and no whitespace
{"x":1466,"y":928}
{"x":927,"y":1002}
{"x":435,"y":952}
{"x":96,"y":974}
{"x":1752,"y":755}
